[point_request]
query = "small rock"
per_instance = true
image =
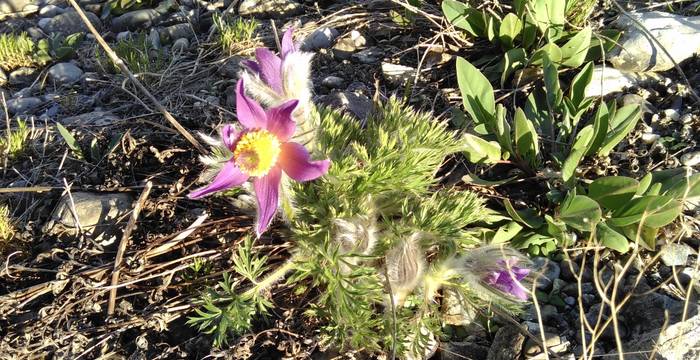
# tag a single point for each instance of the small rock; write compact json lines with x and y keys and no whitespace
{"x":321,"y":38}
{"x":94,"y":212}
{"x":70,"y":22}
{"x":43,"y":22}
{"x":689,"y":159}
{"x":570,"y":300}
{"x":35,"y":33}
{"x":397,"y":74}
{"x":64,"y":73}
{"x":22,"y":76}
{"x":94,"y":118}
{"x":154,"y":39}
{"x":135,"y":20}
{"x":358,"y":104}
{"x":650,"y":138}
{"x":507,"y":344}
{"x":369,"y":56}
{"x":50,"y":11}
{"x":532,"y":348}
{"x":124,"y":35}
{"x":672,"y":114}
{"x":23,"y":105}
{"x":675,"y":254}
{"x":548,"y":312}
{"x":333,"y":82}
{"x":548,"y":271}
{"x":269,"y":8}
{"x":686,"y":118}
{"x":169,"y":33}
{"x":609,"y":80}
{"x":180,"y":45}
{"x":463,"y":350}
{"x":638,"y":52}
{"x":572,"y":289}
{"x":344,"y":49}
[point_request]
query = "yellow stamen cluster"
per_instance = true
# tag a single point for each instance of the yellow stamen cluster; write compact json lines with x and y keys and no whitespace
{"x":256,"y":152}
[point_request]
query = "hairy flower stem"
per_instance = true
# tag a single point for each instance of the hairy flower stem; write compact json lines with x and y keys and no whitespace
{"x":271,"y":278}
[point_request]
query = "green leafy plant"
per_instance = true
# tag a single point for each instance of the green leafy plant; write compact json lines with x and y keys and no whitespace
{"x":547,"y":127}
{"x":533,"y":29}
{"x":616,"y":211}
{"x":94,"y":152}
{"x":235,"y":35}
{"x":18,"y":51}
{"x":7,"y":228}
{"x":59,"y":47}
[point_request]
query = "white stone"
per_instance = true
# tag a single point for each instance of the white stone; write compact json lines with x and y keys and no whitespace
{"x":650,"y":138}
{"x":397,"y":74}
{"x":321,"y":38}
{"x":675,"y":254}
{"x":50,"y":11}
{"x":638,"y":52}
{"x":691,"y":159}
{"x":608,"y":80}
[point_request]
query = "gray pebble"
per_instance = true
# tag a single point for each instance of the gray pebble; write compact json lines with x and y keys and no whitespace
{"x":65,"y":73}
{"x":51,"y":11}
{"x":180,"y":45}
{"x":22,"y":76}
{"x":321,"y":38}
{"x":23,"y":105}
{"x":548,"y":271}
{"x":333,"y":82}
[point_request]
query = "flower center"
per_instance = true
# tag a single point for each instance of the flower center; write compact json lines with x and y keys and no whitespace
{"x":256,"y":152}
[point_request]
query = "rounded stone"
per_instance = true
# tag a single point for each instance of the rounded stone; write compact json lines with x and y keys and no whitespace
{"x":64,"y":73}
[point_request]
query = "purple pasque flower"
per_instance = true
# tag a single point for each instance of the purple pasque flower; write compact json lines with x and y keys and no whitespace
{"x":263,"y":151}
{"x":274,"y":79}
{"x":507,"y":278}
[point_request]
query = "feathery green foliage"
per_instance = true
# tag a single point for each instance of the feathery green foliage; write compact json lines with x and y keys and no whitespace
{"x":138,"y":54}
{"x":383,"y":182}
{"x":7,"y":229}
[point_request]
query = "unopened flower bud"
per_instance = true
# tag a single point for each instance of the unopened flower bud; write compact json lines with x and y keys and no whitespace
{"x":405,"y":265}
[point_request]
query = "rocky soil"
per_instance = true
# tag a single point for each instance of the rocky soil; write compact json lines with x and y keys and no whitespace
{"x":71,"y":202}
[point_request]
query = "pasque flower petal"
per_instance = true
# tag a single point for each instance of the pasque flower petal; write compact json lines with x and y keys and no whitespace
{"x":295,"y":161}
{"x":251,"y":65}
{"x":229,"y":135}
{"x":229,"y":176}
{"x":250,"y":114}
{"x":267,"y":191}
{"x":270,"y":66}
{"x":279,"y":120}
{"x":288,"y":43}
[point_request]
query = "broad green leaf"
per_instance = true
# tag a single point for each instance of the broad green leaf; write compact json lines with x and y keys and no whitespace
{"x":513,"y":59}
{"x":577,"y":91}
{"x":501,"y":129}
{"x":668,"y":178}
{"x":478,"y":150}
{"x":574,"y":51}
{"x":511,"y":26}
{"x":475,"y":180}
{"x":492,"y":25}
{"x":686,"y":190}
{"x":550,"y":50}
{"x":526,"y":142}
{"x":477,"y":92}
{"x":536,"y":110}
{"x":578,"y":150}
{"x":70,"y":140}
{"x":644,"y":234}
{"x":600,"y":128}
{"x":581,"y":213}
{"x":528,"y":217}
{"x":551,"y":84}
{"x":613,"y":192}
{"x":464,"y":17}
{"x":529,"y":33}
{"x":624,"y":120}
{"x":611,"y":238}
{"x":549,"y":16}
{"x":506,"y":232}
{"x":654,"y":211}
